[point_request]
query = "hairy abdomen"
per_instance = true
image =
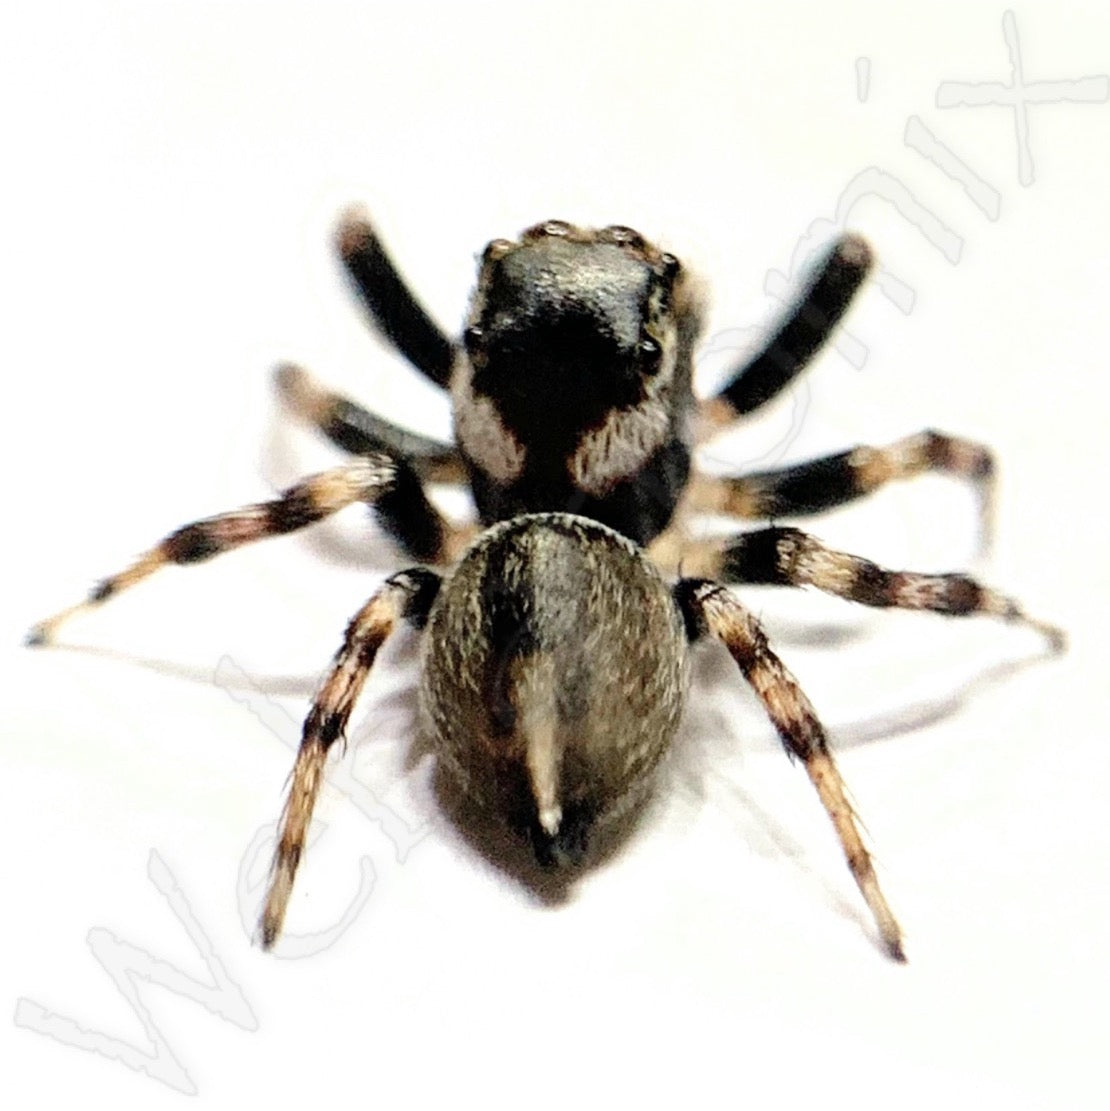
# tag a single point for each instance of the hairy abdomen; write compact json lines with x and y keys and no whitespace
{"x":553,"y":678}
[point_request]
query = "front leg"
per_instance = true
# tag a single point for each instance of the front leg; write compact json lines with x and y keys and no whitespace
{"x":390,"y":302}
{"x":800,"y":335}
{"x":709,"y":610}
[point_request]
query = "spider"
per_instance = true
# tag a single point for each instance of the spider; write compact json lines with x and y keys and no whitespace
{"x":555,"y":642}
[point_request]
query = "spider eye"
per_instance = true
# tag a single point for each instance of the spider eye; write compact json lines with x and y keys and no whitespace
{"x":496,"y":249}
{"x":649,"y":355}
{"x":560,"y":229}
{"x":473,"y":337}
{"x":555,"y":227}
{"x":622,"y":236}
{"x":670,"y":266}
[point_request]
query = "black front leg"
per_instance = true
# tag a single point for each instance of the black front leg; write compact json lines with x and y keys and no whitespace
{"x":391,"y":304}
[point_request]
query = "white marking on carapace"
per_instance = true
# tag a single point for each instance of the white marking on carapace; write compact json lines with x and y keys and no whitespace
{"x":481,"y":433}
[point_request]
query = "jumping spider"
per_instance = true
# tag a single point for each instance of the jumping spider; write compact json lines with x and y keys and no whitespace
{"x":555,"y":642}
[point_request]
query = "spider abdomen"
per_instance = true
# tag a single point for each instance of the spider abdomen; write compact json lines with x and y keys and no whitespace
{"x":553,"y":677}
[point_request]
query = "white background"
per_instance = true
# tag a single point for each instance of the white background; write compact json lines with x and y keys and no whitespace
{"x":172,"y":175}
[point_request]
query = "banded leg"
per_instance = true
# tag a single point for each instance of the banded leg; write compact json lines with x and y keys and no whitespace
{"x":790,"y":557}
{"x":806,"y":327}
{"x":406,"y":596}
{"x":821,"y":484}
{"x":709,"y":609}
{"x":395,"y":310}
{"x":356,"y":430}
{"x":377,"y":480}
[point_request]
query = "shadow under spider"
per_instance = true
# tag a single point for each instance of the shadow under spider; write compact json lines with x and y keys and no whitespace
{"x":276,"y":686}
{"x":930,"y":711}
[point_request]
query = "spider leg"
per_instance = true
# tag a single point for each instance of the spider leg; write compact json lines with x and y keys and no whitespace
{"x":790,"y":557}
{"x":709,"y":609}
{"x":406,"y":596}
{"x":356,"y":430}
{"x":821,"y":484}
{"x":805,"y":328}
{"x":387,"y":484}
{"x":391,"y":304}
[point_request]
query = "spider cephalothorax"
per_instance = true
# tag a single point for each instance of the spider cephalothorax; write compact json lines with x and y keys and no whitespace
{"x":554,"y":645}
{"x":573,"y":387}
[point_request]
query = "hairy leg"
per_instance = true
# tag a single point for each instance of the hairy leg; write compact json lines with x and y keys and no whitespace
{"x":821,"y":484}
{"x":377,"y":480}
{"x":354,"y":429}
{"x":790,"y":557}
{"x":709,"y":610}
{"x":805,"y":328}
{"x":406,"y":596}
{"x":389,"y":301}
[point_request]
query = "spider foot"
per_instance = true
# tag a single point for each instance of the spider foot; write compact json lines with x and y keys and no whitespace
{"x":36,"y":636}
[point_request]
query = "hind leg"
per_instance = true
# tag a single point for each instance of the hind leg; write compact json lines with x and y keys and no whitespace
{"x":710,"y":610}
{"x":406,"y":596}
